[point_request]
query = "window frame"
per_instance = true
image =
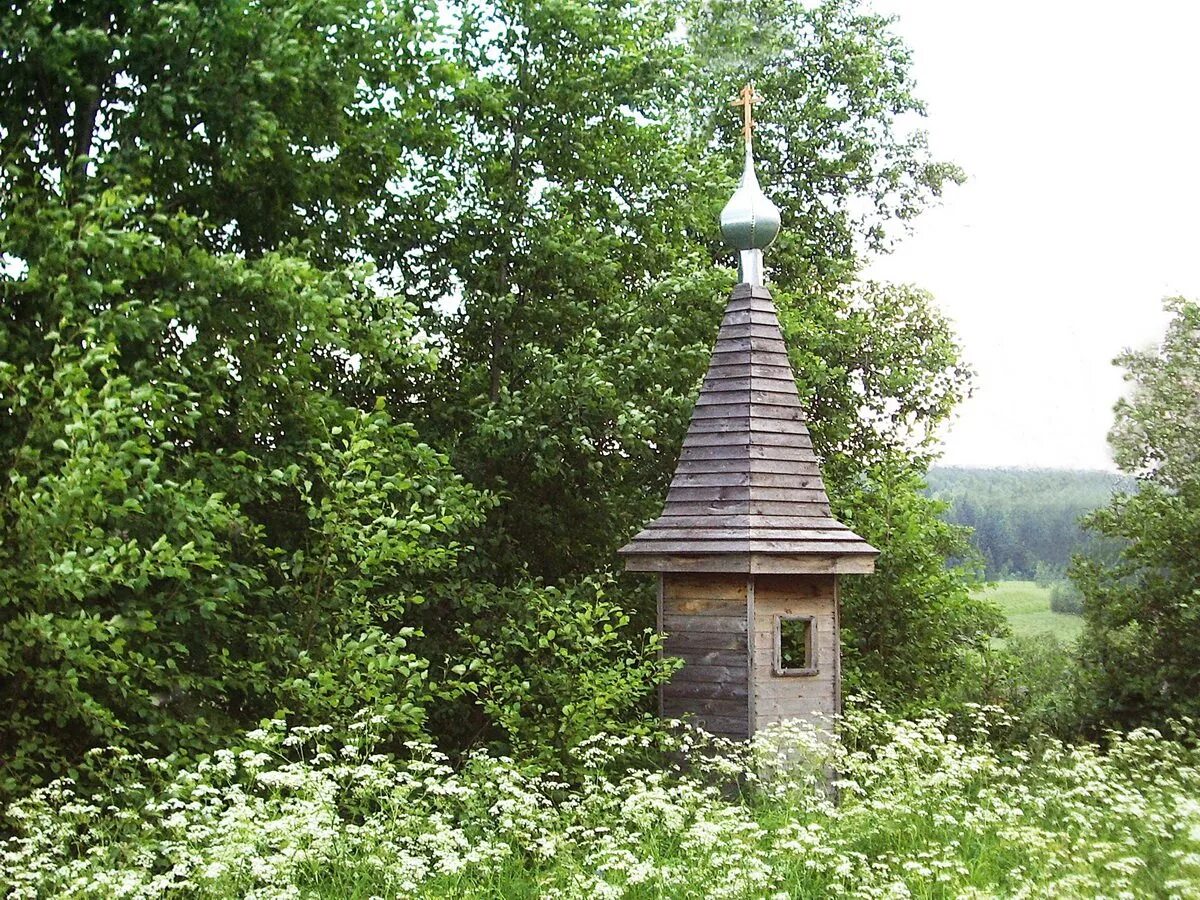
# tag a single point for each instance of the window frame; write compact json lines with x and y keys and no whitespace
{"x":810,"y":649}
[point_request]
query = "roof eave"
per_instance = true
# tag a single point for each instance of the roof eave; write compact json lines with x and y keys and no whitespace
{"x":753,"y":563}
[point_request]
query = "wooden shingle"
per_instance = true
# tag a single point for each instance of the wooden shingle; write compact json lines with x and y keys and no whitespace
{"x":747,"y":495}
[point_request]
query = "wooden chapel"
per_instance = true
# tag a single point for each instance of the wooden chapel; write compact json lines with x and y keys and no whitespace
{"x":747,"y":552}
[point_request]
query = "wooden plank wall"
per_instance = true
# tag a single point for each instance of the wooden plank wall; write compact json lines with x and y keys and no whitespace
{"x":705,"y":621}
{"x":779,"y":697}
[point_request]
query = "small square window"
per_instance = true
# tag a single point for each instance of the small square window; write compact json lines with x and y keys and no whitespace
{"x":795,"y":645}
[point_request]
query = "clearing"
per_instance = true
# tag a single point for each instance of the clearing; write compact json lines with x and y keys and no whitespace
{"x":1027,"y":607}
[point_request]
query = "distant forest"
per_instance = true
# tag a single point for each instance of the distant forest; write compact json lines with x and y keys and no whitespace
{"x":1026,"y":521}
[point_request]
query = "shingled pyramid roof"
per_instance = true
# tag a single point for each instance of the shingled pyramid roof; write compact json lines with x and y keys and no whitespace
{"x":747,"y":494}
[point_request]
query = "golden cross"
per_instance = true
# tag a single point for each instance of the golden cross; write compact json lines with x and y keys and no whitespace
{"x":746,"y":99}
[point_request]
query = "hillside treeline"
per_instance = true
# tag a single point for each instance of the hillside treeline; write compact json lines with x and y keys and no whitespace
{"x":1026,"y":522}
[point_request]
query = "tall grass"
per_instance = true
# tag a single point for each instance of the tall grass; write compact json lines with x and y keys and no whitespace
{"x":913,"y":810}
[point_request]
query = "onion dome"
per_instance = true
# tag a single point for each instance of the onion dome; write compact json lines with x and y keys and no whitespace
{"x":749,"y":221}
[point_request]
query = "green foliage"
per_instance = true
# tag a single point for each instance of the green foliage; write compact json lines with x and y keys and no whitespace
{"x":1065,"y":597}
{"x":1033,"y":678}
{"x":378,"y":525}
{"x":194,"y":534}
{"x":1032,"y":673}
{"x":270,"y":120}
{"x":1156,"y":432}
{"x":1142,"y":613}
{"x":569,"y":285}
{"x":552,"y":666}
{"x":1026,"y":521}
{"x":923,"y":809}
{"x":234,"y":237}
{"x":909,"y":629}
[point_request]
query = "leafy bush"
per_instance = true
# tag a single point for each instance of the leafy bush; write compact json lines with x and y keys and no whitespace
{"x":1066,"y":598}
{"x":919,"y":811}
{"x":199,"y":531}
{"x":551,"y":666}
{"x":1036,"y":681}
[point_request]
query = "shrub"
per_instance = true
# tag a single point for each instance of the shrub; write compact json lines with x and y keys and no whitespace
{"x":1036,"y":681}
{"x":1066,"y":598}
{"x":176,"y":564}
{"x":551,"y":666}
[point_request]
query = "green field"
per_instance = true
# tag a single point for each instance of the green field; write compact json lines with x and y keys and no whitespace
{"x":1027,"y":607}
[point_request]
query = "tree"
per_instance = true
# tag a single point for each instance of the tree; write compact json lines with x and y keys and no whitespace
{"x":583,"y":274}
{"x":267,"y":120}
{"x":262,"y":258}
{"x":1142,"y":613}
{"x":215,"y":509}
{"x":207,"y":516}
{"x":567,"y":285}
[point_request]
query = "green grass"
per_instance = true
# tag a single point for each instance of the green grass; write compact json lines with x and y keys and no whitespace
{"x":1027,"y":607}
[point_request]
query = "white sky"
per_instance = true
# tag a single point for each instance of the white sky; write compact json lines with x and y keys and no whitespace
{"x":1077,"y":125}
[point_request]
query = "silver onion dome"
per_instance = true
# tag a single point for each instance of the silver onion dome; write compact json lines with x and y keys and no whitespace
{"x":749,"y":221}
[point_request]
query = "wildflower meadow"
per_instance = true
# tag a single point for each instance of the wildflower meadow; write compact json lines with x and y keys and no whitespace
{"x":891,"y":808}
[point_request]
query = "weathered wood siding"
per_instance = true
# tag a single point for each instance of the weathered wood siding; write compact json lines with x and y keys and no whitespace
{"x":778,"y":697}
{"x":705,"y":620}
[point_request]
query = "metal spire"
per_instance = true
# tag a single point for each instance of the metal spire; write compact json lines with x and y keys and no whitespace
{"x":749,"y":221}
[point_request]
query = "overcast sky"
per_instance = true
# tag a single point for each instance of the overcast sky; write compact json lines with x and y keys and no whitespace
{"x":1077,"y":126}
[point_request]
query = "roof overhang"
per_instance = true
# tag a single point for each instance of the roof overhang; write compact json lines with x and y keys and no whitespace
{"x":747,"y":495}
{"x":753,"y":563}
